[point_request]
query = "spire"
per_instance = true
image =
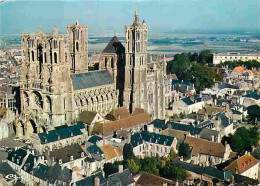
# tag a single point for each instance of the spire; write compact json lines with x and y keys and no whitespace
{"x":77,"y":22}
{"x":136,"y":21}
{"x":40,"y":31}
{"x":144,"y":23}
{"x":55,"y":30}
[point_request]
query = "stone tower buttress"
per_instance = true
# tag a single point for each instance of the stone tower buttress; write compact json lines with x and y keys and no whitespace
{"x":78,"y":47}
{"x":135,"y":93}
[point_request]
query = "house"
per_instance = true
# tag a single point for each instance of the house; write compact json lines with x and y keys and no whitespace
{"x":145,"y":179}
{"x":59,"y":137}
{"x":224,"y":123}
{"x":251,"y":98}
{"x":90,"y":118}
{"x":188,"y":105}
{"x":207,"y":152}
{"x":210,"y":135}
{"x":51,"y":175}
{"x":33,"y":169}
{"x":246,"y":165}
{"x":122,"y":177}
{"x":8,"y":176}
{"x":151,"y":144}
{"x":69,"y":156}
{"x":183,"y":86}
{"x":211,"y":175}
{"x":118,"y":113}
{"x":137,"y":120}
{"x":96,"y":179}
{"x":111,"y":154}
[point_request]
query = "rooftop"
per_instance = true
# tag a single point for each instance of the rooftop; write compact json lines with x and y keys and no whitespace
{"x":91,"y":79}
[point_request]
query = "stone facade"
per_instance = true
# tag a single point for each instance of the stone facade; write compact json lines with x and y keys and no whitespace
{"x":144,"y":83}
{"x":221,"y":58}
{"x":56,"y":86}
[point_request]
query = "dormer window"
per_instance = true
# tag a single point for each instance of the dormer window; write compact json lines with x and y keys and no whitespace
{"x":82,"y":154}
{"x":71,"y":158}
{"x":60,"y":161}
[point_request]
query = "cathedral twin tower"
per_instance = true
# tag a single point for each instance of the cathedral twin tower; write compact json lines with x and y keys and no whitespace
{"x":56,"y":86}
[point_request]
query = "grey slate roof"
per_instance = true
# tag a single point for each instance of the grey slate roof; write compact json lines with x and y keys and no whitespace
{"x":91,"y":79}
{"x":29,"y":163}
{"x":6,"y":169}
{"x":17,"y":156}
{"x":89,"y":181}
{"x":56,"y":173}
{"x":226,"y":85}
{"x":61,"y":133}
{"x":123,"y":178}
{"x":40,"y":170}
{"x":224,"y":119}
{"x":222,"y":175}
{"x":94,"y":139}
{"x":114,"y":46}
{"x":208,"y":133}
{"x":66,"y":152}
{"x":138,"y":138}
{"x":183,"y":127}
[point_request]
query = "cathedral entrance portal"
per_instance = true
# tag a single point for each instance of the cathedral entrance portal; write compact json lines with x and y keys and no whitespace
{"x":31,"y":128}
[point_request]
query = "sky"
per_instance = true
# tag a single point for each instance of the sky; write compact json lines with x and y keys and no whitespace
{"x":104,"y":16}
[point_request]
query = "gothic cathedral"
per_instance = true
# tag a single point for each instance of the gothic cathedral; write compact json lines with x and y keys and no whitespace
{"x":56,"y":86}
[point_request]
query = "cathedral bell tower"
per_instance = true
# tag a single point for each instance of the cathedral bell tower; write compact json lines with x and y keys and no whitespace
{"x":135,"y":93}
{"x":78,"y":47}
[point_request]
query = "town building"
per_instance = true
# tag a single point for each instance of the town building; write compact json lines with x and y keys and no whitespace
{"x":151,"y":144}
{"x":234,"y":56}
{"x":246,"y":165}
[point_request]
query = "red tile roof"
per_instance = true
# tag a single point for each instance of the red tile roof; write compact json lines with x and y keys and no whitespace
{"x":242,"y":164}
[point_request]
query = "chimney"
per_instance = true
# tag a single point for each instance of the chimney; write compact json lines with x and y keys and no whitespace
{"x":103,"y":139}
{"x":212,"y":138}
{"x":96,"y":181}
{"x":120,"y":168}
{"x":232,"y":179}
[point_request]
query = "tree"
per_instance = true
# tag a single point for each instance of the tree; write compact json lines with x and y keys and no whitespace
{"x":128,"y":151}
{"x":110,"y":168}
{"x":133,"y":165}
{"x":174,"y":173}
{"x":205,"y":57}
{"x":254,"y":113}
{"x":150,"y":165}
{"x":185,"y":151}
{"x":244,"y":139}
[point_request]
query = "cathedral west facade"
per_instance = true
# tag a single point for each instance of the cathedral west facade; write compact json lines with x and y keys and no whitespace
{"x":56,"y":86}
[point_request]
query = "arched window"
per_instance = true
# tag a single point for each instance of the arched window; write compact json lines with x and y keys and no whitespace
{"x":55,"y":57}
{"x":49,"y":104}
{"x":45,"y":57}
{"x":26,"y":99}
{"x":77,"y":46}
{"x":32,"y":55}
{"x":105,"y":62}
{"x":112,"y":62}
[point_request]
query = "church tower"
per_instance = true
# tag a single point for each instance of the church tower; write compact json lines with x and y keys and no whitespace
{"x":78,"y":47}
{"x":135,"y":93}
